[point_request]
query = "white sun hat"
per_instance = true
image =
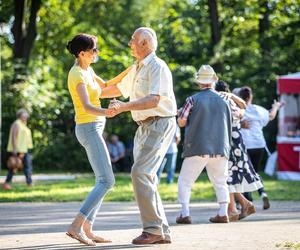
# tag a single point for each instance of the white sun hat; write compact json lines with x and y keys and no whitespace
{"x":206,"y":75}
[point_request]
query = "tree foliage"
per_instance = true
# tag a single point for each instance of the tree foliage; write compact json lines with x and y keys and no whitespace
{"x":249,"y":42}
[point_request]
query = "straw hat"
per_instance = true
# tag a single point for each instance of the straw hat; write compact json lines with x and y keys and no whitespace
{"x":206,"y":75}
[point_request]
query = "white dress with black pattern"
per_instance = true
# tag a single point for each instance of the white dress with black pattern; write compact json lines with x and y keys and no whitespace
{"x":242,"y":176}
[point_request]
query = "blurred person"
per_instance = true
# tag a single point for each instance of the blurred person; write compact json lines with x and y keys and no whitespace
{"x":20,"y":145}
{"x":253,"y":122}
{"x":129,"y":154}
{"x":242,"y":176}
{"x":207,"y":121}
{"x":105,"y":137}
{"x":169,"y":162}
{"x":85,"y":89}
{"x":116,"y":151}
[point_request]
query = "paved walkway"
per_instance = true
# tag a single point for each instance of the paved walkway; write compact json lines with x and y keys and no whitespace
{"x":42,"y":226}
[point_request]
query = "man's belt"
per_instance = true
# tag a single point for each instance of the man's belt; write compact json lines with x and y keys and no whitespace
{"x":151,"y":119}
{"x":148,"y":119}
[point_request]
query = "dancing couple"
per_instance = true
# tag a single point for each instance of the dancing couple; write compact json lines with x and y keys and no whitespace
{"x":149,"y":85}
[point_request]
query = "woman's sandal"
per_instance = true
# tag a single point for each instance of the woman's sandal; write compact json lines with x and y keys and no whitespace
{"x":233,"y":217}
{"x":99,"y":239}
{"x":82,"y":238}
{"x":249,"y":209}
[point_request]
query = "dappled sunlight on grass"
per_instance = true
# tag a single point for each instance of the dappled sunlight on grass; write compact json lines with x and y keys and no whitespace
{"x":77,"y":190}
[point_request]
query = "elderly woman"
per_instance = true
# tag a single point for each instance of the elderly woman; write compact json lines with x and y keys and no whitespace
{"x":255,"y":118}
{"x":20,"y":145}
{"x":242,"y":176}
{"x":85,"y":89}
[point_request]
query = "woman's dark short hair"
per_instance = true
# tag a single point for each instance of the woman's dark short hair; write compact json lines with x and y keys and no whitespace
{"x":245,"y":93}
{"x":222,"y":86}
{"x":81,"y":42}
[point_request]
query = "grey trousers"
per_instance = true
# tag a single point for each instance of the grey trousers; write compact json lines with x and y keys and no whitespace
{"x":151,"y":143}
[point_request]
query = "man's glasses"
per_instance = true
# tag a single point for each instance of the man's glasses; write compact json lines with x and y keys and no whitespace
{"x":95,"y":50}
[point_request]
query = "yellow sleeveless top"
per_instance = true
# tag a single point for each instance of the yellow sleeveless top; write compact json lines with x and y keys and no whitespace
{"x":78,"y":75}
{"x":24,"y":138}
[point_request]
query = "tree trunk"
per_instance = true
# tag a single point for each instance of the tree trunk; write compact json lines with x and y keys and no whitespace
{"x":264,"y":26}
{"x":214,"y":22}
{"x":18,"y":28}
{"x":24,"y":37}
{"x":215,"y":30}
{"x":31,"y":29}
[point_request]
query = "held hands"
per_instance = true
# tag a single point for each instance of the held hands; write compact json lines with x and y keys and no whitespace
{"x":115,"y":107}
{"x":109,"y":113}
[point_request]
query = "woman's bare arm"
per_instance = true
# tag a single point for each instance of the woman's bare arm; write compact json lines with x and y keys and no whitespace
{"x":88,"y":107}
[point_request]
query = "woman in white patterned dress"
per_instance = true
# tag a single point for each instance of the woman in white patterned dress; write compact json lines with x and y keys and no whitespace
{"x":242,"y":176}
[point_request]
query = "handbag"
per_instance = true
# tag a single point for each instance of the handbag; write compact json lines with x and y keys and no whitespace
{"x":15,"y":163}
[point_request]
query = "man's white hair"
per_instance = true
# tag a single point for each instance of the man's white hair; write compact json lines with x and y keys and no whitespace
{"x":149,"y":35}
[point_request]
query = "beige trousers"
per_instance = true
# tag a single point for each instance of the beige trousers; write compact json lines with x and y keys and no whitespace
{"x":151,"y":143}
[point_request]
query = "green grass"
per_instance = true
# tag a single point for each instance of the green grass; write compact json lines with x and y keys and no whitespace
{"x":76,"y":190}
{"x":289,"y":245}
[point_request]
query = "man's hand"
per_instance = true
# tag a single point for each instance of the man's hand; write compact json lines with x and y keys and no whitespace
{"x":245,"y":124}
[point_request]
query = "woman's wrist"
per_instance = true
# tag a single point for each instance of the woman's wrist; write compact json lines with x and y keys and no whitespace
{"x":102,"y":111}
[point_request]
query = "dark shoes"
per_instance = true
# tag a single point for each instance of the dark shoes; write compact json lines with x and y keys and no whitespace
{"x":184,"y":220}
{"x":266,"y":203}
{"x":219,"y":219}
{"x":165,"y":241}
{"x":148,"y":238}
{"x":249,"y":209}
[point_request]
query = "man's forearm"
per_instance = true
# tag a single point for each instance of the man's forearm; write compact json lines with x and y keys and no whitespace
{"x":146,"y":102}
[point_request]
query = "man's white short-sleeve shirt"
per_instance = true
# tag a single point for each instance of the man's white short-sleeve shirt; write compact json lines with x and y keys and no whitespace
{"x":151,"y":77}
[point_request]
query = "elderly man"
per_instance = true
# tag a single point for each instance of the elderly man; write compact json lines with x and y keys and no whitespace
{"x":207,"y":119}
{"x":152,"y":104}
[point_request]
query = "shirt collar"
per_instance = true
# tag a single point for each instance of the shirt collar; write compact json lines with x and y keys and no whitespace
{"x":148,"y":58}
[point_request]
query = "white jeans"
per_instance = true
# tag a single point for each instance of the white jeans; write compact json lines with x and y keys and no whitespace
{"x":217,"y":170}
